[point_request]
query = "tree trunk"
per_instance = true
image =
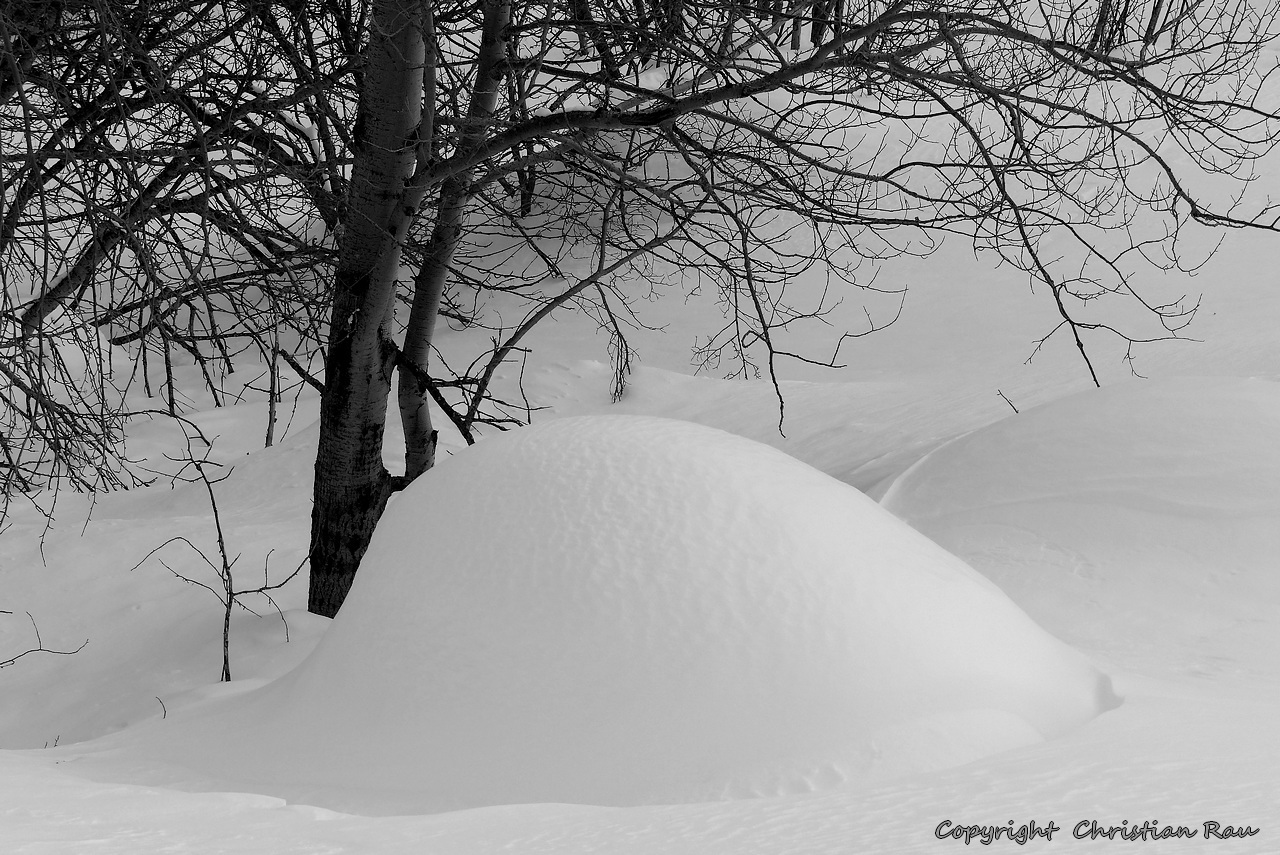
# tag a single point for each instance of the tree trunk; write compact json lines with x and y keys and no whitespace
{"x":428,"y":285}
{"x":352,"y":486}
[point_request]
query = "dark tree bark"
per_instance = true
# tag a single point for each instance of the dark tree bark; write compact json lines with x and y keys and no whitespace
{"x":352,"y":485}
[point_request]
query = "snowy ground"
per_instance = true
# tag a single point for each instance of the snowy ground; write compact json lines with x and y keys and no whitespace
{"x":1139,"y":524}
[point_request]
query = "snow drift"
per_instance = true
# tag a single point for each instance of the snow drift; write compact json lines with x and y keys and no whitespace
{"x":621,"y":610}
{"x":1121,"y":513}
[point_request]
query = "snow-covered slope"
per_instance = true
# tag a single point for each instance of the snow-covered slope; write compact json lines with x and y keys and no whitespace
{"x":1136,"y":523}
{"x":1143,"y":518}
{"x":639,"y":610}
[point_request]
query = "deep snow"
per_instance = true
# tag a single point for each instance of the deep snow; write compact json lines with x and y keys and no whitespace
{"x":636,"y":611}
{"x":1169,"y":591}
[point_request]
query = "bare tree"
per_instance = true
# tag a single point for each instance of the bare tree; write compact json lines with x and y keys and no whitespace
{"x":225,"y":589}
{"x":169,"y":171}
{"x":189,"y":184}
{"x":748,"y":143}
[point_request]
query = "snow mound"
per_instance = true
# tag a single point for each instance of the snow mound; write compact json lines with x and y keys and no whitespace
{"x":1142,"y":517}
{"x":628,"y":610}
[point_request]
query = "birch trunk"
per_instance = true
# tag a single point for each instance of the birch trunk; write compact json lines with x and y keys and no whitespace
{"x":351,"y":484}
